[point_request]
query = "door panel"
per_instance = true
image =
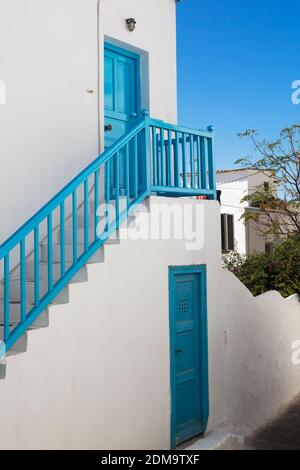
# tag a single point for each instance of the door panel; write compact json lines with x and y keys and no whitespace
{"x":188,"y":343}
{"x":108,"y":83}
{"x":121,"y":92}
{"x":121,"y":102}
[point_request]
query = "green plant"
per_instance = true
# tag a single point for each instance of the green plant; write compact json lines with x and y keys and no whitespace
{"x":261,"y":272}
{"x":278,"y":207}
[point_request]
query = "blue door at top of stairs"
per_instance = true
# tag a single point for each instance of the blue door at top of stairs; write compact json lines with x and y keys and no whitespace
{"x":121,"y":103}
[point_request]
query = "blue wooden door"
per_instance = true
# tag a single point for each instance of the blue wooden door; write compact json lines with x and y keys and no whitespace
{"x":121,"y":99}
{"x":189,"y":381}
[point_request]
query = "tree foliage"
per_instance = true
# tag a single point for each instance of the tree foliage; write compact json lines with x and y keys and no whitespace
{"x":276,"y":212}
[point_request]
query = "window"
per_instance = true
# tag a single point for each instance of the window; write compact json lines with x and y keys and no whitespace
{"x":227,"y":231}
{"x":266,"y":186}
{"x":269,"y":247}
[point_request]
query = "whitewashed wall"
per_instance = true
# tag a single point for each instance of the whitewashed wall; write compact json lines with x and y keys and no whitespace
{"x":155,"y":38}
{"x":260,"y":377}
{"x":50,"y":55}
{"x":99,"y":376}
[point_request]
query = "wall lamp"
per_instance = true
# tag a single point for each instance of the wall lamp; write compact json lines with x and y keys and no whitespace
{"x":131,"y":24}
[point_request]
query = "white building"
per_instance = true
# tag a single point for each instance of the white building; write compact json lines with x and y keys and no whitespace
{"x":237,"y":235}
{"x":117,"y":345}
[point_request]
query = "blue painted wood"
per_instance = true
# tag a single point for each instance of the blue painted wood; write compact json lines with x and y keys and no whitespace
{"x":107,"y":194}
{"x":135,"y":168}
{"x":211,"y":163}
{"x":62,"y":240}
{"x":23,"y":279}
{"x":154,"y":156}
{"x":136,"y":145}
{"x":70,"y":273}
{"x":96,"y":196}
{"x":127,"y":180}
{"x":6,"y":297}
{"x":169,"y":156}
{"x":50,"y":251}
{"x":162,"y":157}
{"x":117,"y":170}
{"x":146,"y":155}
{"x":184,"y":175}
{"x":198,"y":161}
{"x":182,"y":130}
{"x":74,"y":225}
{"x":203,"y":163}
{"x":192,"y":163}
{"x":182,"y":191}
{"x":86,"y":214}
{"x":39,"y":216}
{"x":188,"y":352}
{"x":36,"y":265}
{"x":176,"y":162}
{"x":122,"y":102}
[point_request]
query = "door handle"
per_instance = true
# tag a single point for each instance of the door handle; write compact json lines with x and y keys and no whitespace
{"x":178,"y":351}
{"x":108,"y":127}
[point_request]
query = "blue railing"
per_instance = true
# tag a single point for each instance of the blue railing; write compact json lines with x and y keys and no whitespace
{"x":154,"y":157}
{"x":182,"y":160}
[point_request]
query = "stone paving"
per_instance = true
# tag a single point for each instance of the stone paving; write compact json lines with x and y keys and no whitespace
{"x":281,"y":434}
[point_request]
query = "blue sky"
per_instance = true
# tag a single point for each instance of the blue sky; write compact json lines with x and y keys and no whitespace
{"x":237,"y":60}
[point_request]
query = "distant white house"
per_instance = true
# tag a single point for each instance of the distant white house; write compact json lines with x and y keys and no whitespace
{"x":236,"y":234}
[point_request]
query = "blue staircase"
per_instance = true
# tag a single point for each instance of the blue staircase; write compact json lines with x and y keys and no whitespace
{"x":52,"y":248}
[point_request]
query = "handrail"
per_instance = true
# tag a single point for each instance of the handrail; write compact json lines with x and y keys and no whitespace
{"x":66,"y":191}
{"x":176,"y":128}
{"x":153,"y":157}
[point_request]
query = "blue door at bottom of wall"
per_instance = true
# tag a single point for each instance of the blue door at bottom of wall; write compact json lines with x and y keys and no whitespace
{"x":189,"y":377}
{"x":121,"y":102}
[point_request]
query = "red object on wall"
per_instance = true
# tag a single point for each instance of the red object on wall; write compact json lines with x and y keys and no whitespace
{"x":202,"y":197}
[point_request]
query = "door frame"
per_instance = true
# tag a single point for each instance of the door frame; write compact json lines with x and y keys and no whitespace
{"x":126,"y":52}
{"x":203,"y":335}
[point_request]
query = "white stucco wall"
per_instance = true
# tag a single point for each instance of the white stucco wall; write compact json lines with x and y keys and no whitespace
{"x":155,"y":38}
{"x":50,"y":55}
{"x":99,"y":376}
{"x":260,"y":377}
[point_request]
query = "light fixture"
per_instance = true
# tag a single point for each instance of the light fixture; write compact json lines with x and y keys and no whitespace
{"x":131,"y":24}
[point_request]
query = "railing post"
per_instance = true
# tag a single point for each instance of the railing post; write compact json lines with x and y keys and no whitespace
{"x":211,"y":163}
{"x":147,"y":164}
{"x":6,"y":298}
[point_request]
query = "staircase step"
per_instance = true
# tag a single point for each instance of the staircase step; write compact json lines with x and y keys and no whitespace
{"x":20,"y":346}
{"x":42,"y":321}
{"x":81,"y":276}
{"x":91,"y":218}
{"x":15,"y":292}
{"x":80,"y":222}
{"x":91,"y":204}
{"x":80,"y":237}
{"x":98,"y":257}
{"x":69,"y":236}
